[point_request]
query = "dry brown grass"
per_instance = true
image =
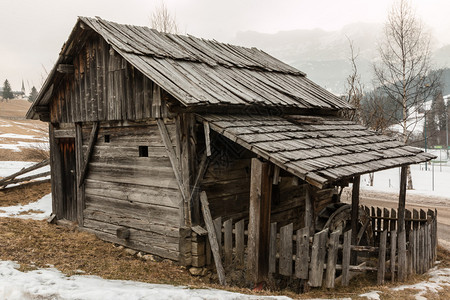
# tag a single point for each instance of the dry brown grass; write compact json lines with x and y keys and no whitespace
{"x":36,"y":153}
{"x":23,"y":194}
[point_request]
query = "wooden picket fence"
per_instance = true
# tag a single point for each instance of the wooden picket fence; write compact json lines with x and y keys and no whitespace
{"x":323,"y":258}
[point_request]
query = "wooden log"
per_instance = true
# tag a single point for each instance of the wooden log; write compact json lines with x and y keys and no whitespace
{"x":240,"y":237}
{"x":228,"y":241}
{"x":382,"y":258}
{"x":402,"y":201}
{"x":318,"y":253}
{"x":23,"y":171}
{"x":273,"y":247}
{"x":393,"y":253}
{"x":333,"y":243}
{"x":90,"y":149}
{"x":286,"y":250}
{"x":346,"y":258}
{"x":212,"y":238}
{"x":355,"y":216}
{"x":302,"y":256}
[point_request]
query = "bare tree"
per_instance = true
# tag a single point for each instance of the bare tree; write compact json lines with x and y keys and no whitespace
{"x":354,"y":88}
{"x":404,"y":71}
{"x":162,"y":20}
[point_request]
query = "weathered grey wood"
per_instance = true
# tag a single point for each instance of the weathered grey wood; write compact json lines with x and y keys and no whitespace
{"x":346,"y":258}
{"x":379,"y":228}
{"x":212,"y":238}
{"x":27,"y":178}
{"x":218,"y":227}
{"x":286,"y":250}
{"x":302,"y":256}
{"x":402,"y":255}
{"x":318,"y":253}
{"x":393,"y":253}
{"x":80,"y":190}
{"x":426,"y":248}
{"x":239,"y":236}
{"x":87,"y":157}
{"x":259,"y":221}
{"x":393,"y":218}
{"x":401,"y":201}
{"x":309,"y":211}
{"x":207,"y":138}
{"x":355,"y":216}
{"x":386,"y":225}
{"x":333,"y":243}
{"x":411,"y":252}
{"x":382,"y":258}
{"x":273,"y":247}
{"x":228,"y":241}
{"x":194,"y":198}
{"x":408,"y":217}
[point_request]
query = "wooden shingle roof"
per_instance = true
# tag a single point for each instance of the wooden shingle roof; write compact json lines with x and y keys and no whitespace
{"x":203,"y":72}
{"x":317,"y":149}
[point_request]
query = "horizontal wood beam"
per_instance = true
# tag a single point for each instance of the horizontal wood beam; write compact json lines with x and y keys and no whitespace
{"x":65,"y":69}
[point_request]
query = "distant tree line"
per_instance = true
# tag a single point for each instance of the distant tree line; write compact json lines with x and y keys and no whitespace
{"x":7,"y":92}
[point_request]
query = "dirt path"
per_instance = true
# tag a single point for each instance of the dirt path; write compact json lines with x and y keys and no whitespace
{"x":390,"y":200}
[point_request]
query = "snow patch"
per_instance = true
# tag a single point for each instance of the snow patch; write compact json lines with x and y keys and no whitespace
{"x":52,"y":284}
{"x":42,"y":209}
{"x":374,"y":295}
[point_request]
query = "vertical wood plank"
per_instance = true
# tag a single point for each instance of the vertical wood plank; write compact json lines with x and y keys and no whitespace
{"x":382,"y":258}
{"x":318,"y":253}
{"x":333,"y":244}
{"x":286,"y":249}
{"x":218,"y":227}
{"x":79,"y":165}
{"x":393,"y":253}
{"x":346,"y":258}
{"x":228,"y":241}
{"x":309,"y":210}
{"x":239,"y":233}
{"x":386,"y":219}
{"x":302,"y":256}
{"x":408,"y":216}
{"x":273,"y":247}
{"x":393,"y":222}
{"x":402,"y":255}
{"x":411,"y":252}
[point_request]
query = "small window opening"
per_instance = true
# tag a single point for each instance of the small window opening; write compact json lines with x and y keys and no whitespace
{"x":106,"y":138}
{"x":143,"y":151}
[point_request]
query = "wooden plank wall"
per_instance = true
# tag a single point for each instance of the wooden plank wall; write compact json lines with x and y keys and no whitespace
{"x":125,"y":191}
{"x":103,"y":87}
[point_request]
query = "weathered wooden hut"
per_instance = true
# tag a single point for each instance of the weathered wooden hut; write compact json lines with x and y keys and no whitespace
{"x":141,"y":121}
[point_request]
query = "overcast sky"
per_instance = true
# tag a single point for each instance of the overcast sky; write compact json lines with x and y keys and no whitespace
{"x":33,"y":31}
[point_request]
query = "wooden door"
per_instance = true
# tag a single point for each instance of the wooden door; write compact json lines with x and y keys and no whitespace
{"x":68,"y":179}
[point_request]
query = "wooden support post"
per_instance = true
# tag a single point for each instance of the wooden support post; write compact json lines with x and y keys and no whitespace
{"x":90,"y":150}
{"x":401,"y":226}
{"x":259,"y":221}
{"x":355,"y":216}
{"x":212,"y":238}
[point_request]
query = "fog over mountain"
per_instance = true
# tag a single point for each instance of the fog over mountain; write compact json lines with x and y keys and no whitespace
{"x":325,"y":55}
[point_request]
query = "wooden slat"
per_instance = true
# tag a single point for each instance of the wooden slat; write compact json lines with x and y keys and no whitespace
{"x":393,"y":253}
{"x":228,"y":241}
{"x":218,"y":227}
{"x":382,"y":258}
{"x":333,"y":243}
{"x":318,"y":253}
{"x":273,"y":247}
{"x":302,"y":256}
{"x":239,"y":236}
{"x":212,"y":238}
{"x":286,"y":250}
{"x":346,"y":258}
{"x":402,"y":255}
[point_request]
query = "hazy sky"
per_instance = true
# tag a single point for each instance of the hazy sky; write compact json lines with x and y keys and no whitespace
{"x":33,"y":31}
